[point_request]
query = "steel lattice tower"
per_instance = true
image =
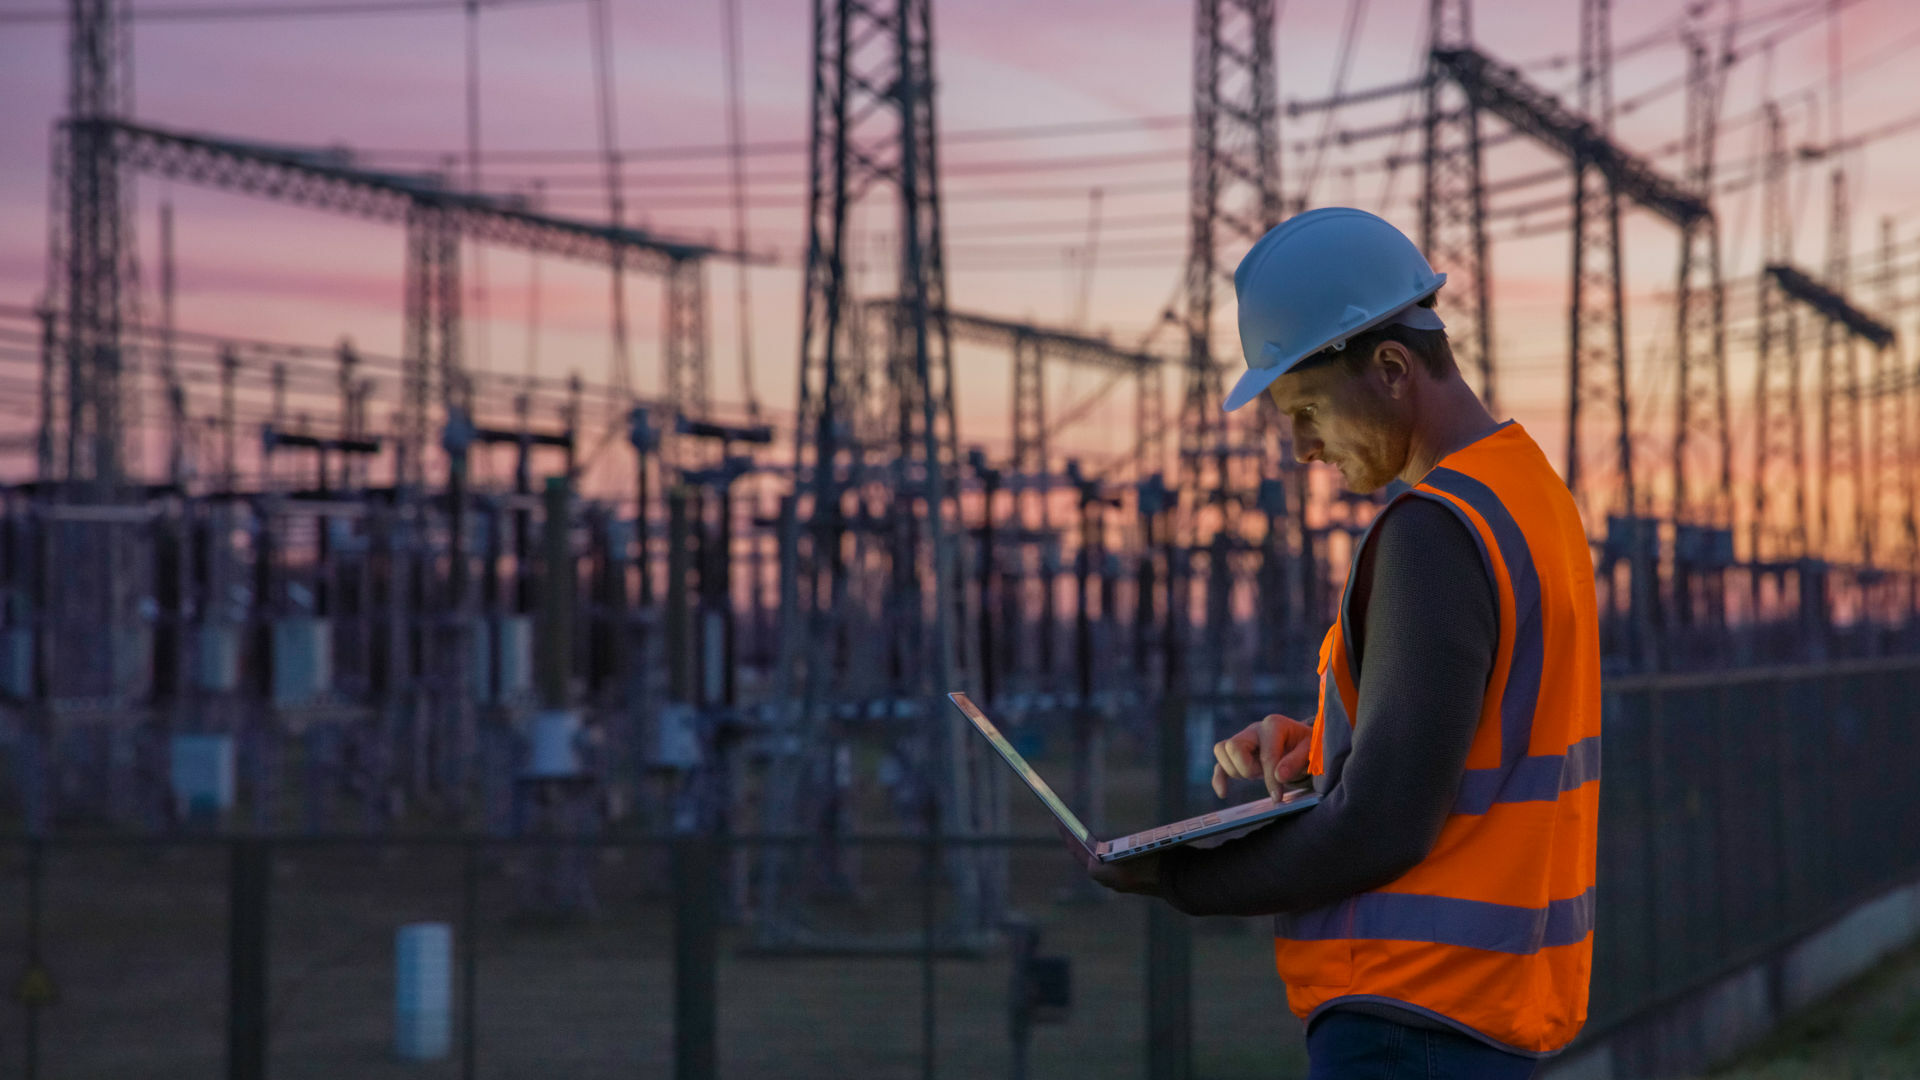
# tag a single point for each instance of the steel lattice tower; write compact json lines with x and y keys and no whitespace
{"x":91,"y":437}
{"x":91,"y":269}
{"x":432,"y":356}
{"x":1453,"y":199}
{"x":1702,"y":450}
{"x":1842,"y":463}
{"x":1890,"y":491}
{"x":1779,"y":429}
{"x":1234,"y":196}
{"x":873,"y":129}
{"x":686,"y":337}
{"x":1597,"y":388}
{"x":873,"y":125}
{"x":1029,"y":432}
{"x":1597,"y":398}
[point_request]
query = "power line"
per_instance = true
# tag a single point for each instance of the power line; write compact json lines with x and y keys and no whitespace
{"x":955,"y":137}
{"x":1418,"y":63}
{"x":1010,"y":166}
{"x":1669,"y":32}
{"x":1075,"y":192}
{"x":799,"y":147}
{"x":1349,"y":37}
{"x":1357,"y":97}
{"x":235,"y":12}
{"x":994,"y":167}
{"x":481,"y":326}
{"x":601,"y":36}
{"x":961,"y":136}
{"x":1030,"y":226}
{"x":730,"y":34}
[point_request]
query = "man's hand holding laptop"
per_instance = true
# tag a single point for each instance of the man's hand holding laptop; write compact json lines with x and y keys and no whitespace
{"x":1273,"y":749}
{"x":1141,"y":875}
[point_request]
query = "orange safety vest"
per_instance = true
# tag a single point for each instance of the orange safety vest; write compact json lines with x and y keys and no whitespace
{"x":1493,"y":931}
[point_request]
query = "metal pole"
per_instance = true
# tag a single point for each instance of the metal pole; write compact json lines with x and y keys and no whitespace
{"x":989,"y":563}
{"x":1169,"y":937}
{"x":720,"y":591}
{"x":929,"y":877}
{"x":645,"y":439}
{"x":1024,"y":940}
{"x":457,"y":437}
{"x":49,"y":366}
{"x":176,"y":436}
{"x":680,"y":654}
{"x":640,"y":525}
{"x":1144,"y":584}
{"x":229,"y":370}
{"x":1089,"y":744}
{"x":696,"y":951}
{"x":36,"y":883}
{"x":247,"y":884}
{"x":469,"y":946}
{"x":522,"y":517}
{"x":556,"y":636}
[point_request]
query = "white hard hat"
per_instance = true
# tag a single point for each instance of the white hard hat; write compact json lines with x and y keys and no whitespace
{"x":1317,"y":279}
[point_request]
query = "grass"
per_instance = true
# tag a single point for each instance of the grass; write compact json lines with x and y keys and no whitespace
{"x":1870,"y":1030}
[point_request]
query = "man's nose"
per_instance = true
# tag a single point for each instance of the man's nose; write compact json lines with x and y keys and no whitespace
{"x":1307,"y":451}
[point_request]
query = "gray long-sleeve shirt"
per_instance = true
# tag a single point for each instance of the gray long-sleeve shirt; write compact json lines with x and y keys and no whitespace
{"x":1425,"y":629}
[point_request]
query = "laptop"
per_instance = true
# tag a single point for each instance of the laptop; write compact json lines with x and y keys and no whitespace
{"x":1232,"y":819}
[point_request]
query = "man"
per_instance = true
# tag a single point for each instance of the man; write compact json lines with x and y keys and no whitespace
{"x":1434,"y":913}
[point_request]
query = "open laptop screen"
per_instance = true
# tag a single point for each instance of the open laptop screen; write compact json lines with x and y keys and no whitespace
{"x":1020,"y":766}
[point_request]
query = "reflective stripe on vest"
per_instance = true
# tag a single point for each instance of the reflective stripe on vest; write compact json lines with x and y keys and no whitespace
{"x":1520,"y":777}
{"x":1334,"y":733}
{"x":1492,"y":931}
{"x":1444,"y":920}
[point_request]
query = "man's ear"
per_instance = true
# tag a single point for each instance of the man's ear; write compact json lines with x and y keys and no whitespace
{"x":1394,"y":366}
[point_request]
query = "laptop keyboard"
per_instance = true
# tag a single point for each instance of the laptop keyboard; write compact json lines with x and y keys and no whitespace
{"x":1155,"y":837}
{"x":1166,"y":833}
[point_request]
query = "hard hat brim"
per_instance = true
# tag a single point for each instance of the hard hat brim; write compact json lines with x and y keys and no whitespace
{"x":1256,"y":379}
{"x":1252,"y":383}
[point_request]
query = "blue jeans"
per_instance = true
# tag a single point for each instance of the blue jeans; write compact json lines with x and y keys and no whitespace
{"x":1347,"y":1045}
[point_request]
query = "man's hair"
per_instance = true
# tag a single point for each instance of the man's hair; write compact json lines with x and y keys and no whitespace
{"x":1428,"y":346}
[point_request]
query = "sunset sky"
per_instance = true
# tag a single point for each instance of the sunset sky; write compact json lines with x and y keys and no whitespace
{"x":392,"y":86}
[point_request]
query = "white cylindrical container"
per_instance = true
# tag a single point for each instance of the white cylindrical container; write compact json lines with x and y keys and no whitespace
{"x":480,"y":662}
{"x":16,"y":661}
{"x":1200,"y":740}
{"x":515,"y":656}
{"x":201,"y":769}
{"x":713,"y":653}
{"x":552,"y":750}
{"x":302,"y":659}
{"x":218,"y":657}
{"x":423,"y":991}
{"x":676,"y":737}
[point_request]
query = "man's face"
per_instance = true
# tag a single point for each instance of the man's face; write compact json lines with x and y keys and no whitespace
{"x":1357,"y":423}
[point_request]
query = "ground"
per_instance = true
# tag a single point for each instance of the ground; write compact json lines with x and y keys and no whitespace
{"x":135,"y":941}
{"x":1868,"y":1031}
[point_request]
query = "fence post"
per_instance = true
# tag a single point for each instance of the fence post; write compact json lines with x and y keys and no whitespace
{"x":929,"y":882}
{"x":1169,"y":936}
{"x":36,"y":885}
{"x":469,"y":954}
{"x":696,"y":949}
{"x":247,"y":883}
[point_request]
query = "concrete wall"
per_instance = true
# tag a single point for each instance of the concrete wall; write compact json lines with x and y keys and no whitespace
{"x":1687,"y":1036}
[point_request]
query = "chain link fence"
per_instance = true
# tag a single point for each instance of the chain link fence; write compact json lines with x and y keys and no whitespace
{"x":1739,"y":810}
